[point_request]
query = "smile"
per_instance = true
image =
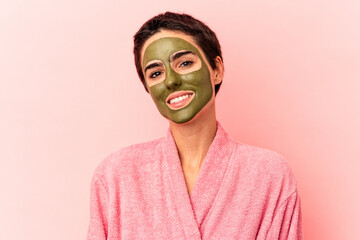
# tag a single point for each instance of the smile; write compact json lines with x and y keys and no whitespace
{"x":180,"y":99}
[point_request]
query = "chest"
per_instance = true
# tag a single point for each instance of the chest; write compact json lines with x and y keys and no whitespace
{"x":161,"y":205}
{"x":190,"y":177}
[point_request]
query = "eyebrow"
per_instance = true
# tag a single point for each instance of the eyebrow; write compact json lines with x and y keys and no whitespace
{"x":179,"y":54}
{"x":152,"y":66}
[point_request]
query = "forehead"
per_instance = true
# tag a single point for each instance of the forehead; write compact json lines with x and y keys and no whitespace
{"x":161,"y":45}
{"x":163,"y":48}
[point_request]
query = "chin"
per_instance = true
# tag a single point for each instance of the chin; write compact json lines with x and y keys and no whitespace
{"x":187,"y":119}
{"x":182,"y":121}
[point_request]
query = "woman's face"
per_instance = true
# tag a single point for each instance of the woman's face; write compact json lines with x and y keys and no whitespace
{"x":177,"y":75}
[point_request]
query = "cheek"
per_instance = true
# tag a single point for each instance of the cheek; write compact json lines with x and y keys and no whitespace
{"x":157,"y":91}
{"x":200,"y":78}
{"x":196,"y":78}
{"x":190,"y":77}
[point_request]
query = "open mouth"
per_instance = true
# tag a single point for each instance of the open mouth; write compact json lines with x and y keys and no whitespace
{"x":180,"y":99}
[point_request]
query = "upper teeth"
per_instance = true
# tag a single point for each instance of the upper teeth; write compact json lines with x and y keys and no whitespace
{"x":178,"y":99}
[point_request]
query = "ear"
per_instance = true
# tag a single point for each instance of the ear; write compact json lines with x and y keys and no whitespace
{"x":218,"y":71}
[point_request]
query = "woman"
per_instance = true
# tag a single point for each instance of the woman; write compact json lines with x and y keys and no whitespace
{"x":197,"y":182}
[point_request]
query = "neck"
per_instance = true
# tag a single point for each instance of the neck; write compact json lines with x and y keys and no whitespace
{"x":193,"y":139}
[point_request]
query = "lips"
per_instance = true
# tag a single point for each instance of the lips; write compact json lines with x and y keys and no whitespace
{"x":179,"y":99}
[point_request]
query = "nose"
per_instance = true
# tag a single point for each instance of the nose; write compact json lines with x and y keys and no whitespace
{"x":172,"y":80}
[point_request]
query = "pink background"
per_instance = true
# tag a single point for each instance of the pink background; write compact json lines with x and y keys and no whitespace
{"x":70,"y":96}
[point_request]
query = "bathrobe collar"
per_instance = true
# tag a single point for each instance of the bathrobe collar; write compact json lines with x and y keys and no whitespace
{"x":195,"y":209}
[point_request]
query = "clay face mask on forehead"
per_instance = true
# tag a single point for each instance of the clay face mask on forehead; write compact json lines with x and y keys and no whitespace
{"x":182,"y":87}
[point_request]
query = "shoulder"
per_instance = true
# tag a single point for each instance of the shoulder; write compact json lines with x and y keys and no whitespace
{"x":266,"y":159}
{"x":126,"y":158}
{"x":266,"y":167}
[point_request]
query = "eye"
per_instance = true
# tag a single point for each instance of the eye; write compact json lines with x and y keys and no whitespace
{"x":155,"y":74}
{"x":186,"y":63}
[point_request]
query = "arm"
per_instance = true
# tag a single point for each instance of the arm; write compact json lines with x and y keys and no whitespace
{"x":287,"y":222}
{"x":98,"y":210}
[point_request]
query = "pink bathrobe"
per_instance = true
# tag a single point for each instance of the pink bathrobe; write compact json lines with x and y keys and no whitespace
{"x":242,"y":192}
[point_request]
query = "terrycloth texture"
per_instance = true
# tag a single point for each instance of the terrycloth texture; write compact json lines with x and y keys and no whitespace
{"x":242,"y":192}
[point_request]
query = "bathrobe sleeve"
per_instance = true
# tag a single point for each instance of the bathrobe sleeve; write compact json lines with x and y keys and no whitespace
{"x":287,"y":222}
{"x":98,"y":226}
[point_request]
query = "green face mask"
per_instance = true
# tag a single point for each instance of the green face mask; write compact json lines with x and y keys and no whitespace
{"x":173,"y":78}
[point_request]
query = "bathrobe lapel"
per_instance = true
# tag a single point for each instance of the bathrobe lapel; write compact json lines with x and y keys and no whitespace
{"x":194,"y":209}
{"x":211,"y":175}
{"x":179,"y":189}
